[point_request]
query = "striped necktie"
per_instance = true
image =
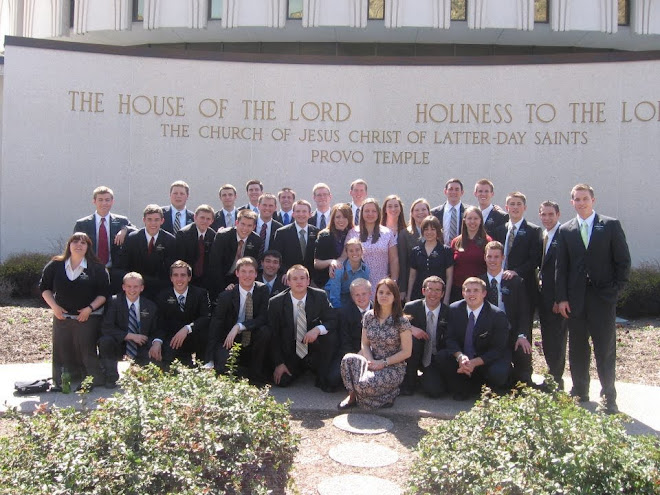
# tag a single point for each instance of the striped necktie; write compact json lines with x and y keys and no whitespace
{"x":133,"y":326}
{"x":301,"y":330}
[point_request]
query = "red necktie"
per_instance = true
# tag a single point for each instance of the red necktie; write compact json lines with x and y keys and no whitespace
{"x":102,"y":243}
{"x":199,"y":264}
{"x":151,"y":245}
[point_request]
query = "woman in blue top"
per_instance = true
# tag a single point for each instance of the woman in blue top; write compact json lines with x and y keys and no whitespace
{"x":338,"y":288}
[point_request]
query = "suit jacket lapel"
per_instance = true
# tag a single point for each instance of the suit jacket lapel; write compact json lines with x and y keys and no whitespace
{"x":596,"y":232}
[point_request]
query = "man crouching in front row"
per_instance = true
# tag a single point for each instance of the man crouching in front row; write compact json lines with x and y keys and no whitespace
{"x":304,"y":331}
{"x":241,"y":315}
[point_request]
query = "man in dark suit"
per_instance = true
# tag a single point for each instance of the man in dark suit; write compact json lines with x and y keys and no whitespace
{"x":150,"y":251}
{"x":522,"y":247}
{"x":193,"y":245}
{"x":297,"y":241}
{"x":128,"y":328}
{"x":358,"y":194}
{"x":270,"y":271}
{"x":477,"y":343}
{"x":323,"y":199}
{"x":451,"y":212}
{"x":593,"y":266}
{"x":303,"y":326}
{"x":176,"y":215}
{"x":510,"y":296}
{"x":254,"y":189}
{"x":229,"y":246}
{"x":183,"y":319}
{"x":429,"y":322}
{"x":241,"y":315}
{"x":554,"y":327}
{"x":286,"y":196}
{"x":108,"y":228}
{"x":493,"y":215}
{"x":349,"y":331}
{"x":266,"y":225}
{"x":226,"y":216}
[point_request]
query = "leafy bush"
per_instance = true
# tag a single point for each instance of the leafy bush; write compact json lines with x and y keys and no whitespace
{"x":641,"y":296}
{"x":23,"y":272}
{"x":535,"y":443}
{"x":184,"y":432}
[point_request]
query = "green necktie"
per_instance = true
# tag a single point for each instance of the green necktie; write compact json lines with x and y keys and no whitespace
{"x":585,"y":234}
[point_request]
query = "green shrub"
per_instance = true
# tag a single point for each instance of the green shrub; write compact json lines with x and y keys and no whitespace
{"x":535,"y":443}
{"x":641,"y":296}
{"x":23,"y":271}
{"x":184,"y":432}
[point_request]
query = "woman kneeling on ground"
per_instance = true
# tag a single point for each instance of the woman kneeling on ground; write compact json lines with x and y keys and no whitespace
{"x":373,"y":376}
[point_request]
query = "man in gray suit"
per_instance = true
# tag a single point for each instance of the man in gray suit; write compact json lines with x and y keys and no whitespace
{"x":593,"y":265}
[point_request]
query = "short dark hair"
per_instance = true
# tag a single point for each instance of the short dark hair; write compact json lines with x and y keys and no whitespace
{"x":551,"y":204}
{"x":273,"y":253}
{"x":451,"y":181}
{"x":254,"y":181}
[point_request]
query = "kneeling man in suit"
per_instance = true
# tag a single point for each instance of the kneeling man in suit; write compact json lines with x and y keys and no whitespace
{"x":477,"y":343}
{"x":128,"y":328}
{"x":241,"y":315}
{"x":304,"y":327}
{"x":183,"y":319}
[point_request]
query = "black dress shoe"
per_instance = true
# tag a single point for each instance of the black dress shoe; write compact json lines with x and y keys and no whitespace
{"x":387,"y":405}
{"x":55,"y":388}
{"x":579,"y":397}
{"x":110,"y":385}
{"x":343,"y":405}
{"x":607,"y":406}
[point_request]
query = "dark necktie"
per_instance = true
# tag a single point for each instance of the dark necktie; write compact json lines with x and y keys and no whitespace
{"x":469,"y":337}
{"x":357,"y":216}
{"x":131,"y":348}
{"x":151,"y":246}
{"x":303,"y":243}
{"x":493,"y":293}
{"x":199,"y":264}
{"x":182,"y":302}
{"x":322,"y":224}
{"x":262,"y":234}
{"x":246,"y":335}
{"x":285,"y":219}
{"x":177,"y":222}
{"x":102,"y":243}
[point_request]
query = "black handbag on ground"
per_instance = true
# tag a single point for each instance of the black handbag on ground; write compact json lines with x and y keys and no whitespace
{"x":32,"y":387}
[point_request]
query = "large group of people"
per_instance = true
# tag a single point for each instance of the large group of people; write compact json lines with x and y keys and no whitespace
{"x":442,"y":303}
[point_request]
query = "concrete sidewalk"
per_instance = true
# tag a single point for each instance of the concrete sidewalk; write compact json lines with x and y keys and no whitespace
{"x":641,"y":403}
